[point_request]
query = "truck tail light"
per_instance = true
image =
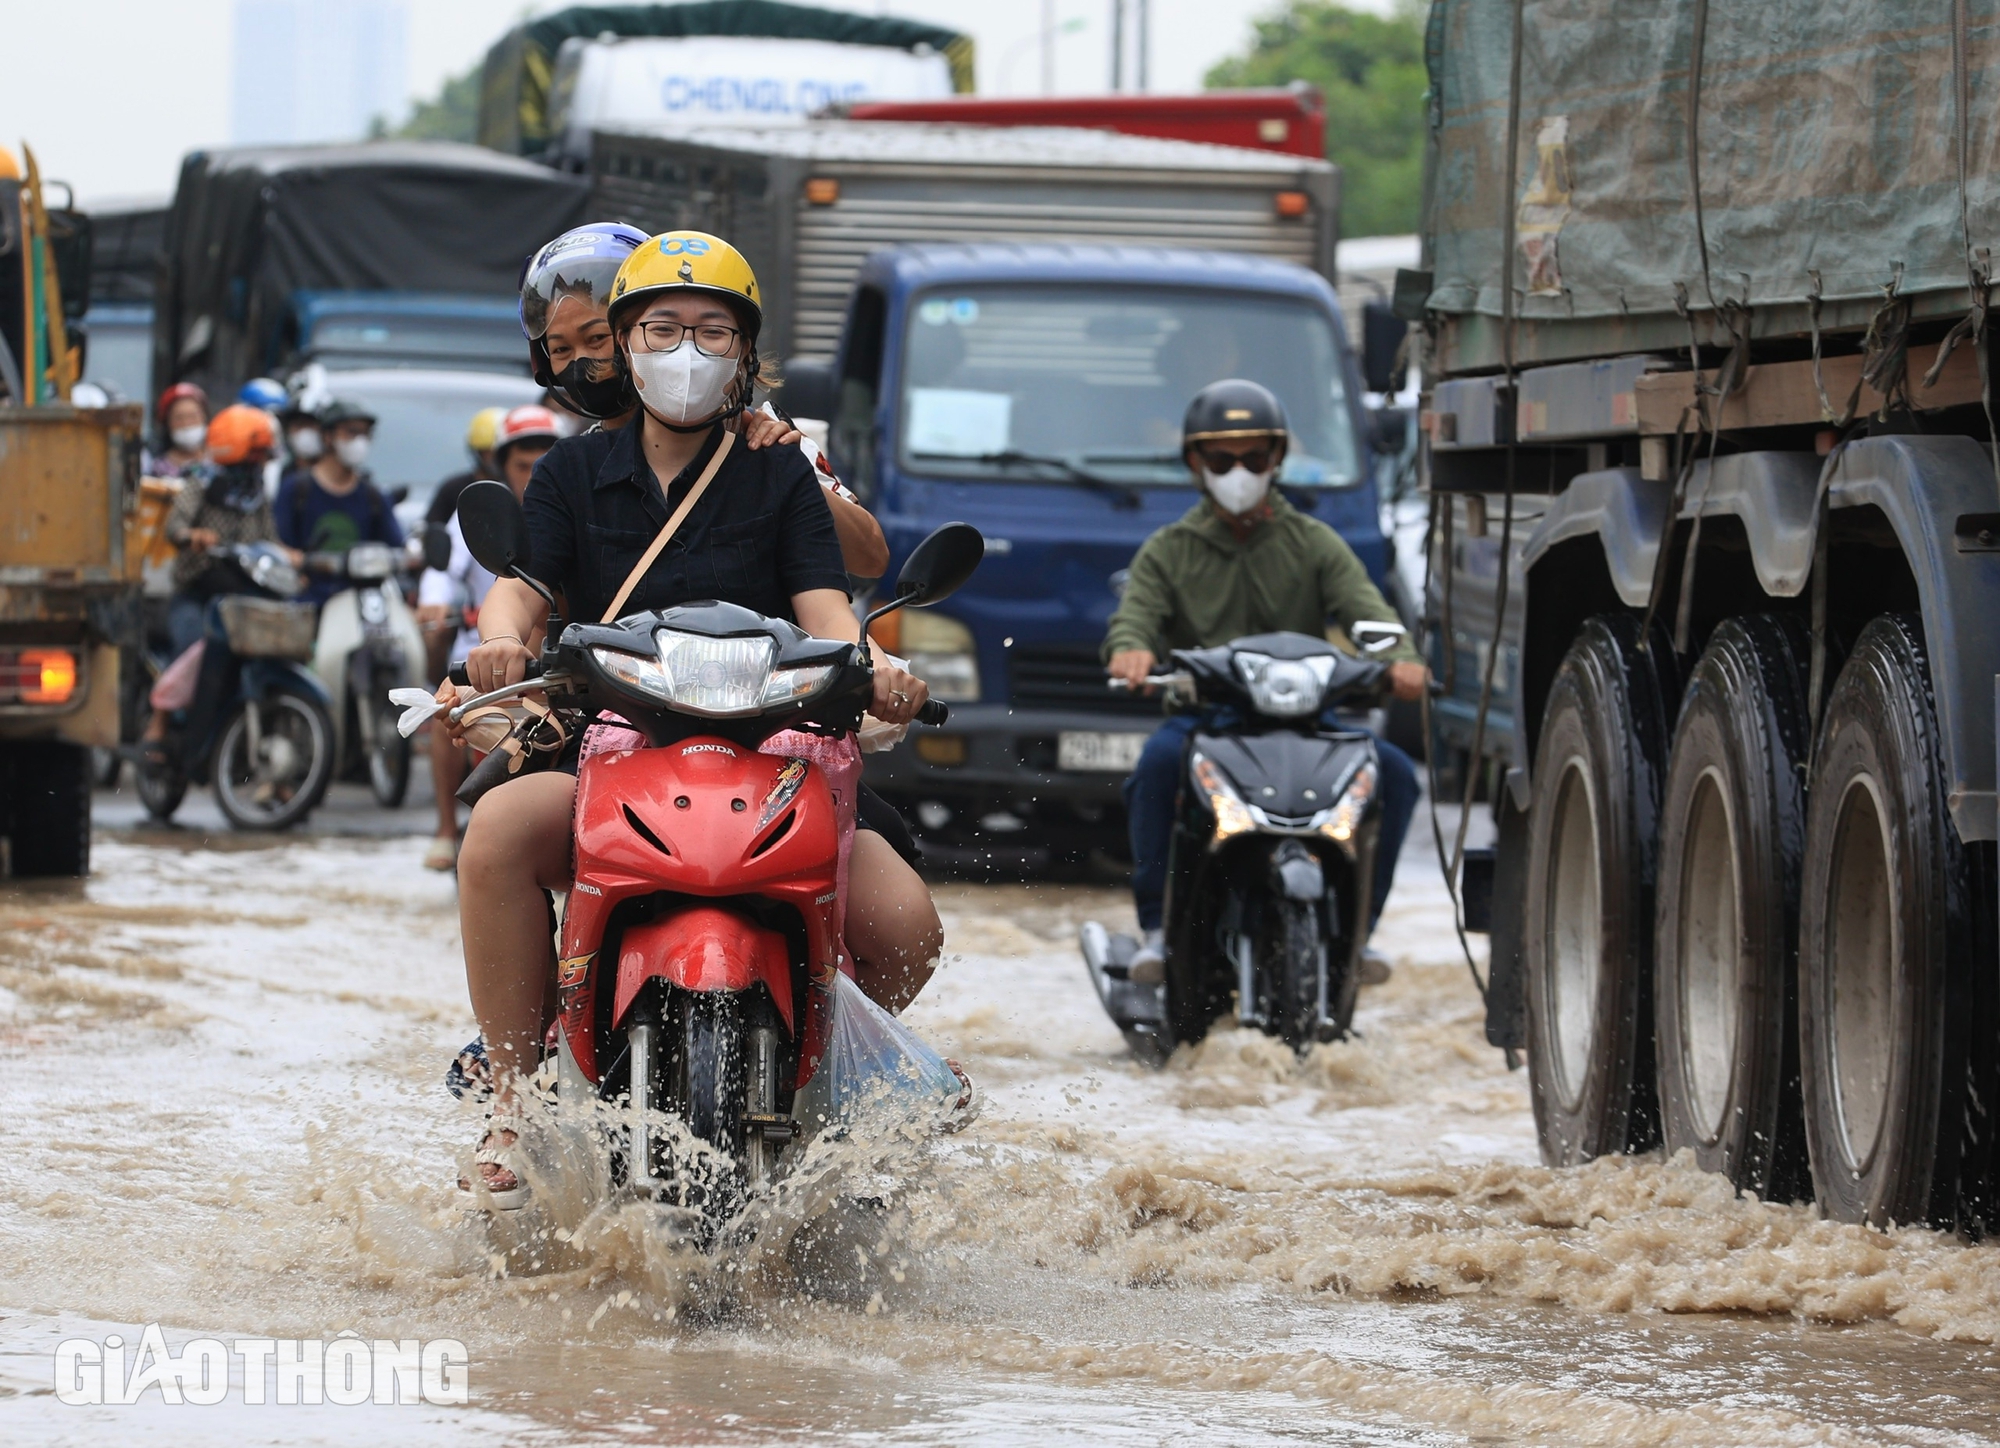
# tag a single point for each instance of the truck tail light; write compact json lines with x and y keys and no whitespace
{"x":1291,"y":204}
{"x":37,"y":676}
{"x":822,"y":190}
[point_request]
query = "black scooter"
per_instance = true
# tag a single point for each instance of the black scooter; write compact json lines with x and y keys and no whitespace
{"x":1273,"y":857}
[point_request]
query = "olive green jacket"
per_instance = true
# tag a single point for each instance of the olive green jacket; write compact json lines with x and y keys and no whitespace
{"x":1194,"y":585}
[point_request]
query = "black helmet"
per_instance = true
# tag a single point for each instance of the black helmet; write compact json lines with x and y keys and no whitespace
{"x":1233,"y":407}
{"x":345,"y":409}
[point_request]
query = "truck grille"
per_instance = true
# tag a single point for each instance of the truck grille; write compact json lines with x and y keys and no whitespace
{"x":1068,"y":676}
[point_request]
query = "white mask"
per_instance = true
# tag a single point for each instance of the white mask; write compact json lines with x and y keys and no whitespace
{"x":353,"y":451}
{"x":684,"y":385}
{"x":305,"y":443}
{"x":189,"y":439}
{"x":1239,"y":490}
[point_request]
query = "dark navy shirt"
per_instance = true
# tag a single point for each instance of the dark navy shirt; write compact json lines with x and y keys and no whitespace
{"x":313,"y":520}
{"x":761,"y":533}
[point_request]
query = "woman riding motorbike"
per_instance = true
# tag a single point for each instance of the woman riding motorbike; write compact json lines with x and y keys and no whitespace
{"x":683,"y":317}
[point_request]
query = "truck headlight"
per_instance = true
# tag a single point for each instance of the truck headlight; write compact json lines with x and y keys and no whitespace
{"x":942,"y":653}
{"x":1232,"y":815}
{"x":1339,"y":821}
{"x":1285,"y":688}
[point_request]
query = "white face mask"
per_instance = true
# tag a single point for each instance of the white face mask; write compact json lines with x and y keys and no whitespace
{"x":353,"y":451}
{"x":189,"y":439}
{"x":305,"y":443}
{"x":1239,"y":490}
{"x":684,"y":385}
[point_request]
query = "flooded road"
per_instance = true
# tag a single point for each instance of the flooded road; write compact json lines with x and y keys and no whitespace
{"x":220,"y":1111}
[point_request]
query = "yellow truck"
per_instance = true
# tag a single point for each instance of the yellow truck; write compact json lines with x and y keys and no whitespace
{"x":69,"y":574}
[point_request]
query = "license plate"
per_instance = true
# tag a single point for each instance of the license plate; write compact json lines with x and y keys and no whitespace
{"x":1113,"y":753}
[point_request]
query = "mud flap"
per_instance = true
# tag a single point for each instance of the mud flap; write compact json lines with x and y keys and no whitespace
{"x":1139,"y":1011}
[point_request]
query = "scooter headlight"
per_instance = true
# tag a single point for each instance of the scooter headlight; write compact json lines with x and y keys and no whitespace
{"x":641,"y":675}
{"x":720,"y":678}
{"x":1232,"y":815}
{"x":1342,"y":819}
{"x":788,"y":686}
{"x":367,"y":562}
{"x":1285,"y":688}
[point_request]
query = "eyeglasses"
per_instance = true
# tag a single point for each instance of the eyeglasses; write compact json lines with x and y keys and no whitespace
{"x":711,"y":339}
{"x":1221,"y":460}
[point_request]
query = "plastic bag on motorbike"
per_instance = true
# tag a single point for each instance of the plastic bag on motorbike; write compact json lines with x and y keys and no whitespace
{"x":875,"y":1067}
{"x":174,"y":689}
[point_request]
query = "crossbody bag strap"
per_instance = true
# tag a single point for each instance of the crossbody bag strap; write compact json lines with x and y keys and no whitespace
{"x":673,"y":525}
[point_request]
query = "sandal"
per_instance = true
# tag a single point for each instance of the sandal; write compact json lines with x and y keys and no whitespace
{"x":443,"y":853}
{"x":504,"y":1189}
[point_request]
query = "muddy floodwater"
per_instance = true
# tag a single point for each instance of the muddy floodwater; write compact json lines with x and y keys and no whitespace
{"x":221,"y":1111}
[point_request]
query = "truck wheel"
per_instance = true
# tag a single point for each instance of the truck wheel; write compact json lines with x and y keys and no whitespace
{"x":1588,"y":953}
{"x":1885,"y":937}
{"x":48,"y":808}
{"x":1731,"y":820}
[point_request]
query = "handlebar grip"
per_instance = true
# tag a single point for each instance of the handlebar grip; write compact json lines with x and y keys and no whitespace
{"x":934,"y":712}
{"x":458,"y":676}
{"x":490,"y":771}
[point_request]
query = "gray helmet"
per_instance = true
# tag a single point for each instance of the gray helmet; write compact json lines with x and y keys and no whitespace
{"x":345,"y":409}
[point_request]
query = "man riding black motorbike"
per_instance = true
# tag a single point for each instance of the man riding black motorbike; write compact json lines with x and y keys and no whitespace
{"x":1241,"y":561}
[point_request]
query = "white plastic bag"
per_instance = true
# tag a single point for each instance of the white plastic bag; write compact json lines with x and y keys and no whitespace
{"x":874,"y":1067}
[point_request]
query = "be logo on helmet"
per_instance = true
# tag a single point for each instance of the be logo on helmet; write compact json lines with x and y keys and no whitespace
{"x":676,"y":245}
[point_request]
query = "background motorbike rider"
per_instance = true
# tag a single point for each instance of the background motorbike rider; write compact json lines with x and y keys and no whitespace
{"x":182,"y":415}
{"x":227,"y":504}
{"x":481,"y":436}
{"x":684,"y":313}
{"x":333,"y":505}
{"x":454,"y":594}
{"x":1241,"y":561}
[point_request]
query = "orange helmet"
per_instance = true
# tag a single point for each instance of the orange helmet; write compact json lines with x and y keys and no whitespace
{"x":239,"y":431}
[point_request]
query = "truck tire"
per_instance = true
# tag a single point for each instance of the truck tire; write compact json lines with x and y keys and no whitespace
{"x":1589,"y":919}
{"x":1732,"y":819}
{"x":47,"y":808}
{"x":1886,"y":933}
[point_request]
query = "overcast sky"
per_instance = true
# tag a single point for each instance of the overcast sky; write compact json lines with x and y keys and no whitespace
{"x":111,"y":93}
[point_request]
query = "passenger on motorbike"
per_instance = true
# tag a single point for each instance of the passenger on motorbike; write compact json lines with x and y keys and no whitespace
{"x":1241,"y":561}
{"x":182,"y":414}
{"x":455,"y":592}
{"x":334,"y":504}
{"x":683,"y":317}
{"x":225,"y":503}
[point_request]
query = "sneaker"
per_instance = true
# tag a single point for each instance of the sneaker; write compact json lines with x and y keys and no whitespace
{"x":1375,"y":968}
{"x":1148,"y":965}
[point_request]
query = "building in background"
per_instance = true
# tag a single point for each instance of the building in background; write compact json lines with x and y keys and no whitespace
{"x":304,"y":70}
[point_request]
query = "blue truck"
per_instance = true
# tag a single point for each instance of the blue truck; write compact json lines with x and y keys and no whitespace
{"x":1036,"y":392}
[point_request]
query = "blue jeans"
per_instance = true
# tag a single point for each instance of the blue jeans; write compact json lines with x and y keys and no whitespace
{"x":1155,"y":781}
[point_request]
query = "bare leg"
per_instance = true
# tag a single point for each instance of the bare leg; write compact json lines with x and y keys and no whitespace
{"x":892,"y":926}
{"x":516,"y":845}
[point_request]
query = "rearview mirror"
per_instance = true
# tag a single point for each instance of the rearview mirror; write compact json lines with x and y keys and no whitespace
{"x":495,"y":529}
{"x":1382,"y":336}
{"x":938,"y":567}
{"x":437,"y":546}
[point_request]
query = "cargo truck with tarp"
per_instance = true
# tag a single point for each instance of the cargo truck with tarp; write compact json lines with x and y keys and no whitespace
{"x":1708,"y":425}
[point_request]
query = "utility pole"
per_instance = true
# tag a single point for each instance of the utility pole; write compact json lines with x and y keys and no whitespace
{"x":1117,"y":46}
{"x":1145,"y":40}
{"x":1048,"y":47}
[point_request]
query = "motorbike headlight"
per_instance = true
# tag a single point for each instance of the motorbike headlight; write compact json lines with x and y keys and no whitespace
{"x":720,"y":678}
{"x":272,"y":573}
{"x":787,"y":686}
{"x":370,"y":561}
{"x":1232,"y":815}
{"x":1339,"y":822}
{"x":1285,"y":688}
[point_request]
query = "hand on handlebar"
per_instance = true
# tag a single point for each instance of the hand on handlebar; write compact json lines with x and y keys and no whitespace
{"x":496,"y":664}
{"x":1407,"y":680}
{"x":1132,"y":667}
{"x":899,"y":694}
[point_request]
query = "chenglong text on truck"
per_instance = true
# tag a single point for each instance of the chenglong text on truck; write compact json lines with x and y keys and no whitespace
{"x":1717,"y":322}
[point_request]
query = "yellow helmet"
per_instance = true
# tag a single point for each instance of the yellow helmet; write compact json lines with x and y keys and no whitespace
{"x":485,"y":429}
{"x":692,"y":261}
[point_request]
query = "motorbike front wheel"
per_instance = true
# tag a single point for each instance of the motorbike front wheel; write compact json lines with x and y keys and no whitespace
{"x":273,"y":762}
{"x":1293,"y":951}
{"x":389,"y":760}
{"x":162,"y":787}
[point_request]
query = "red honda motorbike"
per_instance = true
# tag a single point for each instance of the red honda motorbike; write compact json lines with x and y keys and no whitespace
{"x":701,"y":938}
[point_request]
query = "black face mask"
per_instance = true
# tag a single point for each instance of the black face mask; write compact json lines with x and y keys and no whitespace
{"x":596,"y":388}
{"x":239,"y":487}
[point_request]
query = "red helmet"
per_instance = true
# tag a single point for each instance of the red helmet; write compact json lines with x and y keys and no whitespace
{"x":175,"y":394}
{"x":524,"y":424}
{"x":238,"y":431}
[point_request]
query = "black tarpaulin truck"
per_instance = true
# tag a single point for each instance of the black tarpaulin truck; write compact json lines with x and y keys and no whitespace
{"x":1704,"y":304}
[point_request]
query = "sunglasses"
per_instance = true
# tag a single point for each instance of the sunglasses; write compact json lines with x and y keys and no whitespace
{"x":1220,"y":460}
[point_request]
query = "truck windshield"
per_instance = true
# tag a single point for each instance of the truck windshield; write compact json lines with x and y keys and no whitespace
{"x":1044,"y":378}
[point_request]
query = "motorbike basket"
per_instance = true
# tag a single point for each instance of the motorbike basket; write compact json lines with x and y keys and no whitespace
{"x":265,"y":628}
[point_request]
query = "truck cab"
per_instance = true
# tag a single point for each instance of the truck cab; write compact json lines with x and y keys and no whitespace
{"x":1037,"y":391}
